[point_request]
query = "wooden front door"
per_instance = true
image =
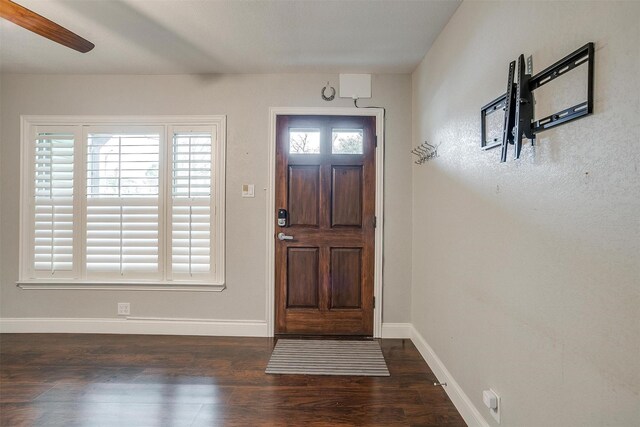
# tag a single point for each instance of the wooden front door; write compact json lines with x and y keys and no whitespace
{"x":324,"y":255}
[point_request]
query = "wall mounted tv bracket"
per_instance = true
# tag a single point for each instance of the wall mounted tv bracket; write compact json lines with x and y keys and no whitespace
{"x":518,"y":102}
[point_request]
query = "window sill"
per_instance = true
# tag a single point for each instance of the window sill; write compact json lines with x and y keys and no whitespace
{"x":116,"y":286}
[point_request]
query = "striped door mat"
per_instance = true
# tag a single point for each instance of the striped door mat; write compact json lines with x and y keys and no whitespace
{"x":327,"y":357}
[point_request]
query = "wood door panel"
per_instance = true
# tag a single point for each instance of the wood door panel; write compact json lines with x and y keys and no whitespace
{"x":298,"y":322}
{"x":302,"y":277}
{"x":346,"y":196}
{"x":304,"y":195}
{"x":324,"y":272}
{"x":346,"y":276}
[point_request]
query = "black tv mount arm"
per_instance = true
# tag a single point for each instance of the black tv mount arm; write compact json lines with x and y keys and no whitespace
{"x":518,"y":102}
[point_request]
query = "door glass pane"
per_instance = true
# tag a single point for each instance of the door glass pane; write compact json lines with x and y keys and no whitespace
{"x":347,"y":141}
{"x":304,"y":141}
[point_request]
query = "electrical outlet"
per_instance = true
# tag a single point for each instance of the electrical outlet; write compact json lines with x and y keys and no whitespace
{"x":492,"y":401}
{"x":124,"y":309}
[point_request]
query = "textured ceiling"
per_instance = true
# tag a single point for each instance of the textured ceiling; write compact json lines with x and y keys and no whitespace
{"x":231,"y":36}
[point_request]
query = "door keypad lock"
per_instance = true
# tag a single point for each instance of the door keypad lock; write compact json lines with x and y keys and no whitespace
{"x":282,"y":217}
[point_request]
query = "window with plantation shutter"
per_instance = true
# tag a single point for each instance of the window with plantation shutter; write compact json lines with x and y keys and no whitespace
{"x":53,"y":198}
{"x":122,"y":202}
{"x":191,"y":186}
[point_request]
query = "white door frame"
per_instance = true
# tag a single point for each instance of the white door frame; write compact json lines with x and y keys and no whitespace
{"x":378,"y":113}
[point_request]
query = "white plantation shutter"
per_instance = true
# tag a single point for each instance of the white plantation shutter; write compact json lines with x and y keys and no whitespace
{"x":191,"y":196}
{"x":122,"y":238}
{"x":53,"y":231}
{"x":191,"y":240}
{"x":123,"y":214}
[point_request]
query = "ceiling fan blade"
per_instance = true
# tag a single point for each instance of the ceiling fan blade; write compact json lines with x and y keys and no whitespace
{"x":40,"y":25}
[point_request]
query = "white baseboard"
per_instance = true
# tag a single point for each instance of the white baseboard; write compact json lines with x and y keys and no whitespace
{"x":160,"y":326}
{"x":463,"y":404}
{"x":396,"y":330}
{"x":145,"y":326}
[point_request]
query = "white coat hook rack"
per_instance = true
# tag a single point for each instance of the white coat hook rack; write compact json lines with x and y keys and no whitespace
{"x":425,"y":152}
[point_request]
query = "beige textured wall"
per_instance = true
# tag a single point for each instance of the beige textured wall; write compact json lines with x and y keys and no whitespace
{"x":245,"y":99}
{"x":526,"y":274}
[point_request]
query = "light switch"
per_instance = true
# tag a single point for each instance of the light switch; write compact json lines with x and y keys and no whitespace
{"x":248,"y":190}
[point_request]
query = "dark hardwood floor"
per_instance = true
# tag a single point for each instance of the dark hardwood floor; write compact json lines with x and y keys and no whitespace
{"x":142,"y":380}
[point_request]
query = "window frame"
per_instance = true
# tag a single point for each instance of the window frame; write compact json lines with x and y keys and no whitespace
{"x":28,"y":126}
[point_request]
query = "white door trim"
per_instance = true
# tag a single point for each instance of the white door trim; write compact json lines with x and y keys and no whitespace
{"x":378,"y":113}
